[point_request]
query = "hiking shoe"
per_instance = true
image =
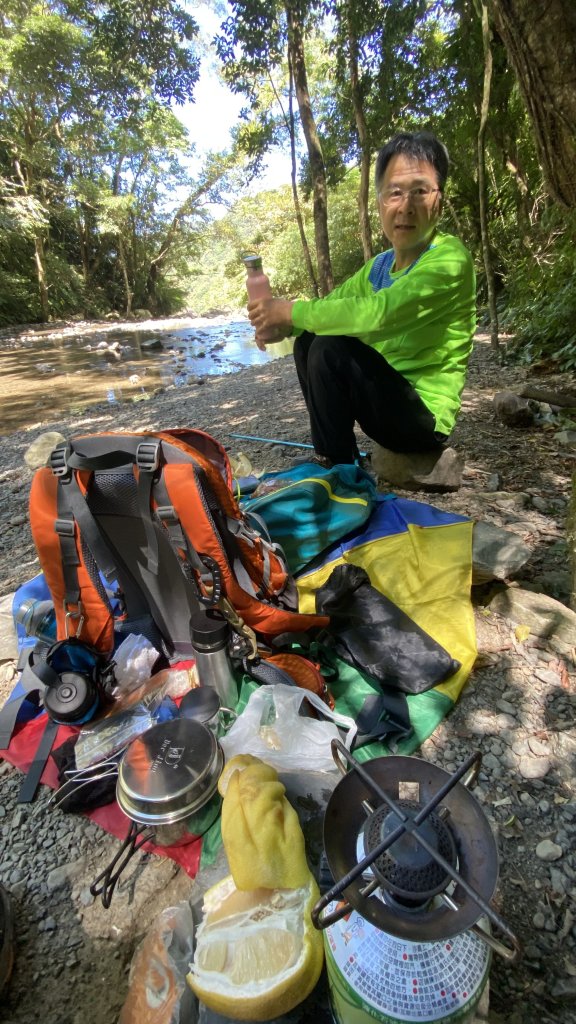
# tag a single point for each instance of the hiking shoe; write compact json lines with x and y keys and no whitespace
{"x":6,"y":938}
{"x":365,"y":464}
{"x":315,"y":459}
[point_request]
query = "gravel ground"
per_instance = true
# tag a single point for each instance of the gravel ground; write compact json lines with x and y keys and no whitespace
{"x":72,"y":956}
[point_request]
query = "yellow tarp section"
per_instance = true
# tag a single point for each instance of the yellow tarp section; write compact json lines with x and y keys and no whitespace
{"x":427,"y":572}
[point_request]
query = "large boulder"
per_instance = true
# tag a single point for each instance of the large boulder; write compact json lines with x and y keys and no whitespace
{"x":497,"y":554}
{"x":38,"y":453}
{"x":436,"y":471}
{"x":513,"y":410}
{"x":546,"y":618}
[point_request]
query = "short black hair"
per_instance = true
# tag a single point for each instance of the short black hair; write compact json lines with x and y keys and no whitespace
{"x":419,"y":146}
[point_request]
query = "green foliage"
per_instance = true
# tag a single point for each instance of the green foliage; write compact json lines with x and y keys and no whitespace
{"x":266,"y":224}
{"x":90,"y":153}
{"x":93,"y":160}
{"x":541,"y":292}
{"x":19,"y":301}
{"x":66,"y":288}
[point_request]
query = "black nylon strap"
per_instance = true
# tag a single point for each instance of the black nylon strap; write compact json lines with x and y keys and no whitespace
{"x":29,"y":685}
{"x":35,"y":676}
{"x":111,"y":460}
{"x":64,"y":527}
{"x":88,"y":525}
{"x":381,"y":717}
{"x":89,"y":529}
{"x":264,"y":672}
{"x":179,"y":541}
{"x":32,"y":780}
{"x":145,"y":481}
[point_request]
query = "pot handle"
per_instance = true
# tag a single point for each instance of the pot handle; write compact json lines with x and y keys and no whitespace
{"x":512,"y":952}
{"x":322,"y":921}
{"x":105,"y":883}
{"x":338,"y":748}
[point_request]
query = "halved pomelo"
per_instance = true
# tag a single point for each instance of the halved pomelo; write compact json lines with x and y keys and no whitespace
{"x":257,"y":952}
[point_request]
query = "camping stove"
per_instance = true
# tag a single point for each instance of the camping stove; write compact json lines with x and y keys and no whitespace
{"x":408,"y":934}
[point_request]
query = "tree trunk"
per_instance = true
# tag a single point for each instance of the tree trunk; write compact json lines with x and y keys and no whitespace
{"x":320,"y":202}
{"x":571,"y":538}
{"x":124,"y":266}
{"x":151,"y":285}
{"x":297,"y":207}
{"x":540,"y":39}
{"x":482,"y":191}
{"x":82,"y":230}
{"x":362,"y":130}
{"x":41,"y":277}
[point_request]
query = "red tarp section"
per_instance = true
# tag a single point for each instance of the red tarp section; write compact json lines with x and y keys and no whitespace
{"x":20,"y":753}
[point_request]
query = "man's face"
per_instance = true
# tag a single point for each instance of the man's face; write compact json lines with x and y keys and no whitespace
{"x":409,"y":220}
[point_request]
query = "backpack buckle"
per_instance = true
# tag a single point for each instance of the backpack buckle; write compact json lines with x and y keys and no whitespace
{"x":64,"y":527}
{"x":148,"y":456}
{"x":59,"y":460}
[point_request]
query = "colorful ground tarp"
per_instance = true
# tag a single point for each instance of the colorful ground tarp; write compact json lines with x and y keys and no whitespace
{"x":421,"y":559}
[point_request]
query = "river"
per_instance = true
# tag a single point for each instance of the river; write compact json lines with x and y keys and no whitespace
{"x":46,"y":371}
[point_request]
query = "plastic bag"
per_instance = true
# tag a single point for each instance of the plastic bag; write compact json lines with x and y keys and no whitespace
{"x":133,"y":663}
{"x":105,"y":738}
{"x":131,"y":715}
{"x":169,"y":682}
{"x":158,"y":992}
{"x":273,"y":728}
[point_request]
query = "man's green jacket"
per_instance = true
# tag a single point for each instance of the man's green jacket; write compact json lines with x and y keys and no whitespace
{"x":421,"y":319}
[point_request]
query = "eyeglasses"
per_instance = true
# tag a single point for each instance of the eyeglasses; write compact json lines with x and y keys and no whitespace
{"x":417,"y":196}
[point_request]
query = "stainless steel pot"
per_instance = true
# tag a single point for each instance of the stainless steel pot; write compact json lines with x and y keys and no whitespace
{"x":168,"y":786}
{"x":203,"y":705}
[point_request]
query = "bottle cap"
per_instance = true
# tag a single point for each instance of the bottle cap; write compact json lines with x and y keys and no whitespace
{"x":209,"y":629}
{"x":253,"y":262}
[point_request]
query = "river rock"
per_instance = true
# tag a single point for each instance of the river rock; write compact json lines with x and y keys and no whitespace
{"x":545,"y":617}
{"x":566,"y":437}
{"x":547,"y":850}
{"x":533,"y":767}
{"x":513,"y":410}
{"x":38,"y":453}
{"x":438,"y":471}
{"x":496,"y":553}
{"x":8,"y":641}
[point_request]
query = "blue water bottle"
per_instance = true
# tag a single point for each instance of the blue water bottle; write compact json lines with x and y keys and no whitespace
{"x":38,"y":619}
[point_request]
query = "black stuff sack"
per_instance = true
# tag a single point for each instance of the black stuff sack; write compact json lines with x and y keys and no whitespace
{"x":370,"y":632}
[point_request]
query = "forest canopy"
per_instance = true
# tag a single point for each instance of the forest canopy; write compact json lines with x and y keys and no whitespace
{"x":101,"y":212}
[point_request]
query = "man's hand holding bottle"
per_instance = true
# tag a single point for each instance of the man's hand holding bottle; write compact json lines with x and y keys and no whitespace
{"x":271,"y":319}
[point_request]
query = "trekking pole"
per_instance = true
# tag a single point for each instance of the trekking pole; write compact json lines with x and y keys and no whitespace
{"x":274,"y":440}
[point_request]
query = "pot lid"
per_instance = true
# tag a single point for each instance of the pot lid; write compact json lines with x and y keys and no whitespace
{"x":201,"y":704}
{"x":169,"y":772}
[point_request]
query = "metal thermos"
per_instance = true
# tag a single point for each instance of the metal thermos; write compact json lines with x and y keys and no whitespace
{"x":210,"y":636}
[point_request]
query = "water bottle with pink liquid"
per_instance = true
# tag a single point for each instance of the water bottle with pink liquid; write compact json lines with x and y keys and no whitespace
{"x":258,"y":287}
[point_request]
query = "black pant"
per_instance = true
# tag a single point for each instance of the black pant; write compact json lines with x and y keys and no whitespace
{"x":344,"y":381}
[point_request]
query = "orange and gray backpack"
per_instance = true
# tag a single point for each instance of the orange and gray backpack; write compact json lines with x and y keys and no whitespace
{"x":147,"y":523}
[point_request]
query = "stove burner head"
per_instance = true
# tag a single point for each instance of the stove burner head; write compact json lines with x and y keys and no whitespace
{"x":406,"y":870}
{"x":395,"y":890}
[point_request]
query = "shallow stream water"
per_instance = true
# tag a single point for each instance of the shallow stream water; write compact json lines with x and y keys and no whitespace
{"x":45,"y":372}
